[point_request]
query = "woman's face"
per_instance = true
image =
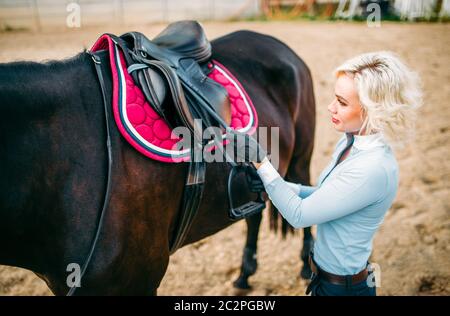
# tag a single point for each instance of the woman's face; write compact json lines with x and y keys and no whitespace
{"x":345,"y":110}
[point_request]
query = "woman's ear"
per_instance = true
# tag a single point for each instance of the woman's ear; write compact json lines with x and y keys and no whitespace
{"x":364,"y":121}
{"x":363,"y":113}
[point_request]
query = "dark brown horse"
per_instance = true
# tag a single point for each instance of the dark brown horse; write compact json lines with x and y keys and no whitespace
{"x":53,"y":166}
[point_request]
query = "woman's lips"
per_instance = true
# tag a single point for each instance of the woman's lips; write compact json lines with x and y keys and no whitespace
{"x":335,"y":121}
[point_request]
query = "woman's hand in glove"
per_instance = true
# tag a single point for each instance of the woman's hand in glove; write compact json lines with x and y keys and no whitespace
{"x":246,"y":148}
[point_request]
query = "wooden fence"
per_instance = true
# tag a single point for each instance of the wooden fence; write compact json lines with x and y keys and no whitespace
{"x":43,"y":14}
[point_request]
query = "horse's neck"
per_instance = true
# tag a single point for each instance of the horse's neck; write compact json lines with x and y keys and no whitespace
{"x":43,"y":110}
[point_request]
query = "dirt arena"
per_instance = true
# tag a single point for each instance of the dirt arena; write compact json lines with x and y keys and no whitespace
{"x":412,"y":248}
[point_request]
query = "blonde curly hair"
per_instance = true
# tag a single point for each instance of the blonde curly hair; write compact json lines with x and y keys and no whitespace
{"x":389,"y":93}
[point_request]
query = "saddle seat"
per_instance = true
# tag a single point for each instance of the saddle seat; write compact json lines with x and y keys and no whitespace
{"x":170,"y":65}
{"x":186,"y":38}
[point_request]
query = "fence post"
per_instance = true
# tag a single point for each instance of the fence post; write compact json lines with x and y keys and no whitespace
{"x":212,"y":10}
{"x":120,"y":12}
{"x":165,"y":10}
{"x":36,"y":18}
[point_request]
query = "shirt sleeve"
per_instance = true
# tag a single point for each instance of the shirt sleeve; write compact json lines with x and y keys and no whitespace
{"x":348,"y":192}
{"x":301,"y":190}
{"x":267,"y":174}
{"x":306,"y":190}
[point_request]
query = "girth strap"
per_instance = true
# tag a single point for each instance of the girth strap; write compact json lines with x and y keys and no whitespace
{"x":98,"y":67}
{"x":192,"y":196}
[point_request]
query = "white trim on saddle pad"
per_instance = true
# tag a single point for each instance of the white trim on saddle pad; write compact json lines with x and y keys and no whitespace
{"x":243,"y":96}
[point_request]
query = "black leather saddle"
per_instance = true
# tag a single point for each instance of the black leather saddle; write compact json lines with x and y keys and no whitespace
{"x":172,"y":72}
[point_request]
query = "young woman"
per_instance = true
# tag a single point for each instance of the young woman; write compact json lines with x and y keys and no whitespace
{"x":375,"y":99}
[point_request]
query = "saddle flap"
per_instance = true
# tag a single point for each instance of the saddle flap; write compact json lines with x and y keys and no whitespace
{"x":154,"y":87}
{"x":178,"y":112}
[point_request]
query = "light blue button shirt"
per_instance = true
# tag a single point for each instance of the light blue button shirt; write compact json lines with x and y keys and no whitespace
{"x":348,"y":204}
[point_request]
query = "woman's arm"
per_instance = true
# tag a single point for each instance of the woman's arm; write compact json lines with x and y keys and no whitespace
{"x":301,"y":190}
{"x":350,"y":191}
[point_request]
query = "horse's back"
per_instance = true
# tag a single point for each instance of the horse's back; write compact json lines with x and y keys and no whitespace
{"x":266,"y":65}
{"x":253,"y":46}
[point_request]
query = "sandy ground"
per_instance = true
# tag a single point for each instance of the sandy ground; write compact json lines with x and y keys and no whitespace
{"x":412,"y":247}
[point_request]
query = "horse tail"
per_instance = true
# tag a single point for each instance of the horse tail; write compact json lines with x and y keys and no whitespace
{"x":304,"y":125}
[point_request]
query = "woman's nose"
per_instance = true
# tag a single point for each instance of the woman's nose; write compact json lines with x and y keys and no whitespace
{"x":332,"y":107}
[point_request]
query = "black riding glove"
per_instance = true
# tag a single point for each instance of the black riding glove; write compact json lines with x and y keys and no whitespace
{"x":246,"y":148}
{"x":253,"y":180}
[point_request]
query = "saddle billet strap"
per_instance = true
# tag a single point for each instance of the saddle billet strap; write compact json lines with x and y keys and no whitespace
{"x":198,"y":112}
{"x":99,"y":70}
{"x":192,"y":195}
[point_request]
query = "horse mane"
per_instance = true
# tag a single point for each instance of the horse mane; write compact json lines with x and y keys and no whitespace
{"x":56,"y":78}
{"x":50,"y":63}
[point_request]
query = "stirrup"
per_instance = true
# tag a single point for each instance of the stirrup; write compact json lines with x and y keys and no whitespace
{"x":247,"y":209}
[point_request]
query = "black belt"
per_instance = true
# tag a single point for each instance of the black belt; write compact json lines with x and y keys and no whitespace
{"x":338,"y":279}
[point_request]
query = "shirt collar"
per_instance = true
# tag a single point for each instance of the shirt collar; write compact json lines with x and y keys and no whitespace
{"x":366,"y":142}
